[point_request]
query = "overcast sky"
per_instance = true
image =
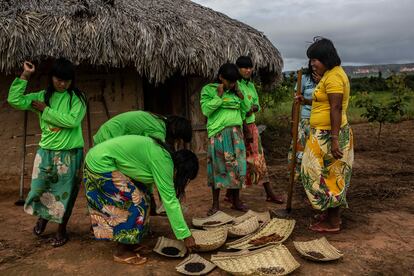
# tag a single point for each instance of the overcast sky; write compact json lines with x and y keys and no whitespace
{"x":363,"y":31}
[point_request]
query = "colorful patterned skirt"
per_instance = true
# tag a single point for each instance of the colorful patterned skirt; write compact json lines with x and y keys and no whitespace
{"x":303,"y":135}
{"x":325,"y":179}
{"x":55,"y":184}
{"x":119,"y":207}
{"x":226,"y":159}
{"x":256,"y":162}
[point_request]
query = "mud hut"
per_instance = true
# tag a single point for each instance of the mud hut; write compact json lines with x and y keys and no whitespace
{"x":131,"y":54}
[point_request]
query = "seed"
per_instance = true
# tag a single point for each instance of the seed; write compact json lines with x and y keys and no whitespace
{"x":271,"y":270}
{"x":194,"y":267}
{"x":266,"y":239}
{"x":316,"y":255}
{"x":170,"y":251}
{"x":211,"y":222}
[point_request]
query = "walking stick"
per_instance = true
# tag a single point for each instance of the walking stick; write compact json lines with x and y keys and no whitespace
{"x":21,"y":201}
{"x":295,"y":120}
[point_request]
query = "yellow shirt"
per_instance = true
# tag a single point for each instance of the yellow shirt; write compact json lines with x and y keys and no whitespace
{"x":334,"y":81}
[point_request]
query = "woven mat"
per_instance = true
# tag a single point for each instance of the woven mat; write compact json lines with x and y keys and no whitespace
{"x":219,"y":217}
{"x":209,"y":240}
{"x":270,"y":260}
{"x":318,"y":250}
{"x":281,"y":227}
{"x":194,"y":258}
{"x":244,"y":228}
{"x":262,"y":217}
{"x":165,"y":242}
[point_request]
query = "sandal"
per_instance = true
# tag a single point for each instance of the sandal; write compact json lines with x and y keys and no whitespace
{"x":322,"y":217}
{"x":241,"y":207}
{"x":317,"y":227}
{"x":60,"y":242}
{"x":134,"y":260}
{"x":39,"y":227}
{"x":275,"y":199}
{"x":143,"y":249}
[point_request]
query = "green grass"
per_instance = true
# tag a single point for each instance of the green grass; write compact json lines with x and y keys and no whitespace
{"x":279,"y":115}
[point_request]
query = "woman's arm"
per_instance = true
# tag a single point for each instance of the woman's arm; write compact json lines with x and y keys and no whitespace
{"x":335,"y":102}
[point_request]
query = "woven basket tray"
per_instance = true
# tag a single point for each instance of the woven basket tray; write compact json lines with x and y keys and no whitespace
{"x":244,"y":228}
{"x":270,"y":260}
{"x":220,"y":217}
{"x":318,"y":250}
{"x":209,"y":240}
{"x":164,"y":242}
{"x":281,"y":227}
{"x":262,"y":217}
{"x":194,"y":258}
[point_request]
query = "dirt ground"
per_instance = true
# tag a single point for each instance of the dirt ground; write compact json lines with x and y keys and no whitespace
{"x":377,"y":235}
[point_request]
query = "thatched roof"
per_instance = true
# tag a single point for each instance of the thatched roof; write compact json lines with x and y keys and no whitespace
{"x":157,"y":37}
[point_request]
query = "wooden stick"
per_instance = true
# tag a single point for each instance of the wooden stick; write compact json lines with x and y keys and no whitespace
{"x":295,"y":120}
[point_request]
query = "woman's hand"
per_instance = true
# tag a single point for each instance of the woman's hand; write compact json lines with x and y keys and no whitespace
{"x":220,"y":90}
{"x":38,"y":105}
{"x":335,"y":150}
{"x":189,"y":242}
{"x":316,"y":77}
{"x":28,"y":70}
{"x":299,"y":99}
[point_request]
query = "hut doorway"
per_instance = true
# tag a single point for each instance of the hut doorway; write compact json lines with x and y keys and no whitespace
{"x":169,"y":97}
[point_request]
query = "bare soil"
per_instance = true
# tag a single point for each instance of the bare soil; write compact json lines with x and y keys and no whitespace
{"x":376,"y":239}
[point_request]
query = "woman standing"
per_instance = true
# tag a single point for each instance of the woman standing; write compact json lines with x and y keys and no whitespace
{"x":256,"y":162}
{"x":223,"y":104}
{"x":55,"y":178}
{"x":329,"y":152}
{"x":118,"y":177}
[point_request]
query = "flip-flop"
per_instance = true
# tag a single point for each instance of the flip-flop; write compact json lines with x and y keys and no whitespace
{"x":322,"y":217}
{"x":38,"y":229}
{"x":242,"y":207}
{"x":317,"y":228}
{"x":212,"y":211}
{"x":60,"y":242}
{"x":143,"y":249}
{"x":278,"y":200}
{"x":134,"y":260}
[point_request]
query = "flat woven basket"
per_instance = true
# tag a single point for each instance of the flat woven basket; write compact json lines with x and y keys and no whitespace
{"x":194,"y":258}
{"x":281,"y":227}
{"x":219,"y":217}
{"x":318,"y":250}
{"x":262,"y":217}
{"x":209,"y":240}
{"x":164,"y":242}
{"x":270,"y":260}
{"x":244,"y":228}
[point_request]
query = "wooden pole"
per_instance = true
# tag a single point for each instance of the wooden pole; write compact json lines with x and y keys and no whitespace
{"x":295,"y":120}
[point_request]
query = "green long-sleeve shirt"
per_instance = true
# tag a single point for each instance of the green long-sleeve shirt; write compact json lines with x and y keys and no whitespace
{"x":143,"y":160}
{"x":132,"y":122}
{"x":249,"y":91}
{"x":224,"y":111}
{"x":60,"y":122}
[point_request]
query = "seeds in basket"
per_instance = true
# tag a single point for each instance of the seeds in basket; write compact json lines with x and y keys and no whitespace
{"x":266,"y":239}
{"x":316,"y":255}
{"x":171,"y":251}
{"x":271,"y":270}
{"x":211,"y":223}
{"x":194,"y":267}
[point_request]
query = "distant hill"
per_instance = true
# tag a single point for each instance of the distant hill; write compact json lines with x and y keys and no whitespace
{"x":386,"y":70}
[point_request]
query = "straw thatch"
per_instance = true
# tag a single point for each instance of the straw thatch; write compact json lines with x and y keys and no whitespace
{"x":159,"y":38}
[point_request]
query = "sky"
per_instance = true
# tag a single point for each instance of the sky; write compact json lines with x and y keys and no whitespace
{"x":363,"y":31}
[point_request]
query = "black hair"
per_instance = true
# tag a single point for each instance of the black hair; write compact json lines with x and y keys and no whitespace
{"x":323,"y":50}
{"x":244,"y":62}
{"x":186,"y":168}
{"x":178,"y":127}
{"x":229,"y":71}
{"x":63,"y":69}
{"x":309,"y":71}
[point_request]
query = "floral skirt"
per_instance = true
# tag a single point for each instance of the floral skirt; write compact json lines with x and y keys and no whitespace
{"x":226,"y":159}
{"x":119,"y":207}
{"x":256,"y":162}
{"x":303,"y":135}
{"x":325,"y":179}
{"x":55,"y":184}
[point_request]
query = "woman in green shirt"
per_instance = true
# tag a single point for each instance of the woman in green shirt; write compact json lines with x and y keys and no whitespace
{"x":55,"y":178}
{"x":118,"y":177}
{"x":168,"y":129}
{"x":223,"y":104}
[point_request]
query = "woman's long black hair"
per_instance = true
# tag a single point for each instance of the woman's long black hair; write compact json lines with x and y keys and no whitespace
{"x":185,"y":166}
{"x":177,"y":127}
{"x":63,"y":69}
